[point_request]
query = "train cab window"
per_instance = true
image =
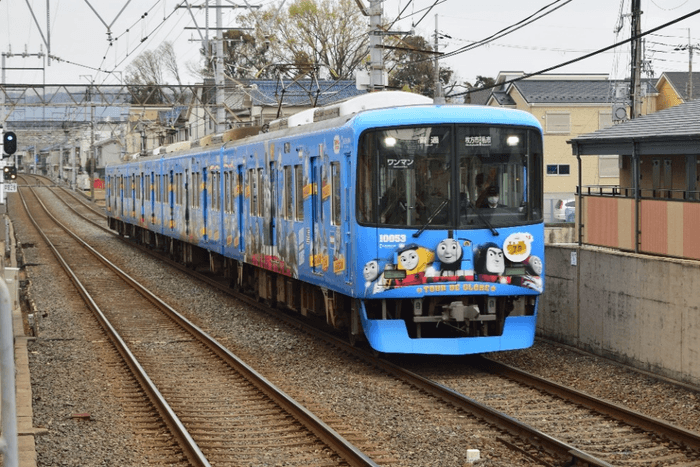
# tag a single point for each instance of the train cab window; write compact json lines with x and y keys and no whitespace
{"x":299,"y":193}
{"x":335,"y":193}
{"x":438,"y":176}
{"x":288,"y":212}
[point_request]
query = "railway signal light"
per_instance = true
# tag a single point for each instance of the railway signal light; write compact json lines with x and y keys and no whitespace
{"x":9,"y":143}
{"x":10,"y":172}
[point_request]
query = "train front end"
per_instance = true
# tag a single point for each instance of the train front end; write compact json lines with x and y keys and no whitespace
{"x":450,"y":234}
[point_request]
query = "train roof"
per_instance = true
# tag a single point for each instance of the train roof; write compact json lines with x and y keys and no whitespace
{"x":378,"y":109}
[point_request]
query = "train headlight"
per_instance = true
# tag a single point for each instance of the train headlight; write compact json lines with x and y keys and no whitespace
{"x":512,"y":140}
{"x":390,"y":141}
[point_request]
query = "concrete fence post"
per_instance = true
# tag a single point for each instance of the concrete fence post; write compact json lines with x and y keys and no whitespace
{"x":8,"y":441}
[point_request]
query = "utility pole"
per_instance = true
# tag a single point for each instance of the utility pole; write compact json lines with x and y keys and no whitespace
{"x":376,"y":50}
{"x":690,"y":68}
{"x":636,"y":75}
{"x":438,"y":98}
{"x":219,"y":72}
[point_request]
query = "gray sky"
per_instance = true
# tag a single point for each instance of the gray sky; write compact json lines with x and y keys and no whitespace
{"x":575,"y":29}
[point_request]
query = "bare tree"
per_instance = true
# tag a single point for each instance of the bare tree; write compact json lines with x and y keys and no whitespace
{"x":146,"y":76}
{"x":323,"y":37}
{"x":413,"y":69}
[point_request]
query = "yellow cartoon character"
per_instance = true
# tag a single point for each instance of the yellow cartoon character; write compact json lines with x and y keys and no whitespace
{"x":414,"y":259}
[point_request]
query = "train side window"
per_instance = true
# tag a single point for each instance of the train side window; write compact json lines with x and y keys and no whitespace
{"x":227,"y":191}
{"x":158,"y":195}
{"x":214,"y":190}
{"x":253,"y":185}
{"x":299,"y":192}
{"x":147,"y":187}
{"x":138,"y":187}
{"x":335,"y":193}
{"x":287,"y":190}
{"x":261,"y":193}
{"x":175,"y":190}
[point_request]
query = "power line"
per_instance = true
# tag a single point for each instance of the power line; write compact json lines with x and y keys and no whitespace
{"x":509,"y":29}
{"x":599,"y":51}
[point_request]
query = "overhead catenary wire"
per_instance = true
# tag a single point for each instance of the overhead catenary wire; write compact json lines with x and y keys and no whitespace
{"x":589,"y":55}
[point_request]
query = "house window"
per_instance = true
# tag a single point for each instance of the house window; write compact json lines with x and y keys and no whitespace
{"x":558,"y":169}
{"x":608,"y":166}
{"x":604,"y":120}
{"x":558,"y":122}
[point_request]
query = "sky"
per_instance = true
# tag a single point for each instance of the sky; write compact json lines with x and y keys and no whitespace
{"x":573,"y":28}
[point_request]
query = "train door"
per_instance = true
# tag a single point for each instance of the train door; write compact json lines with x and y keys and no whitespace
{"x":120,"y":208}
{"x":316,"y":215}
{"x":238,"y":207}
{"x":346,"y":190}
{"x":205,"y":203}
{"x":171,"y":198}
{"x":188,"y":199}
{"x":140,"y":193}
{"x":151,"y":196}
{"x":132,"y":197}
{"x":270,"y":203}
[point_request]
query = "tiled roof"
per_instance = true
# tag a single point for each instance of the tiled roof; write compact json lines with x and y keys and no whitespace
{"x":302,"y":92}
{"x":675,"y":130}
{"x":573,"y":91}
{"x":503,"y":98}
{"x":679,"y":80}
{"x":681,"y":120}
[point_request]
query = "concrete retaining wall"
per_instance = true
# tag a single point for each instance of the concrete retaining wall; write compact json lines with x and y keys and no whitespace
{"x":637,"y":309}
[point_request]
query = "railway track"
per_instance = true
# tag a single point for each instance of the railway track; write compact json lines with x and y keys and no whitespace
{"x":543,"y":417}
{"x":219,"y":409}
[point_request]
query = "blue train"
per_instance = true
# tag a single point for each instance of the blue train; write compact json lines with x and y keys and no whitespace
{"x":416,"y":226}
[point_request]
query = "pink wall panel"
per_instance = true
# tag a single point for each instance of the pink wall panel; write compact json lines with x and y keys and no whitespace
{"x":691,"y":230}
{"x":654,"y":227}
{"x":601,"y":221}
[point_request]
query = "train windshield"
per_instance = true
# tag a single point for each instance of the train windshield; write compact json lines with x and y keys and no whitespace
{"x":450,"y":176}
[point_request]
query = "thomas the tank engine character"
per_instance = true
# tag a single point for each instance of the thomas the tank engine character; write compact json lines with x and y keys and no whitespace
{"x":451,"y":262}
{"x":491,"y":264}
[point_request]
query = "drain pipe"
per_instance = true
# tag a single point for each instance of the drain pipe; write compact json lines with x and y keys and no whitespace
{"x":579,"y":210}
{"x":636,"y":173}
{"x":8,"y":441}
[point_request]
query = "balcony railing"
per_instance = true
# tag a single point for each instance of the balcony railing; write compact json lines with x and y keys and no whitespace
{"x":660,"y":222}
{"x":644,"y":193}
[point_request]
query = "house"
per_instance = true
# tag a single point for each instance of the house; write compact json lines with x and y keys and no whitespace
{"x":569,"y":105}
{"x":676,"y":88}
{"x":656,"y":208}
{"x":257,"y":102}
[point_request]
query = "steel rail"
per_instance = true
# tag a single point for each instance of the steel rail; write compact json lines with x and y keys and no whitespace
{"x":671,"y":432}
{"x":346,"y":450}
{"x":188,"y":445}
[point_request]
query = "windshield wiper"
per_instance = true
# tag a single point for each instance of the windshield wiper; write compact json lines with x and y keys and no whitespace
{"x":430,"y":219}
{"x":483,"y":219}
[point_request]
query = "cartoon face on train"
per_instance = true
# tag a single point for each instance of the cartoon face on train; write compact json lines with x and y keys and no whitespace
{"x":458,"y":260}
